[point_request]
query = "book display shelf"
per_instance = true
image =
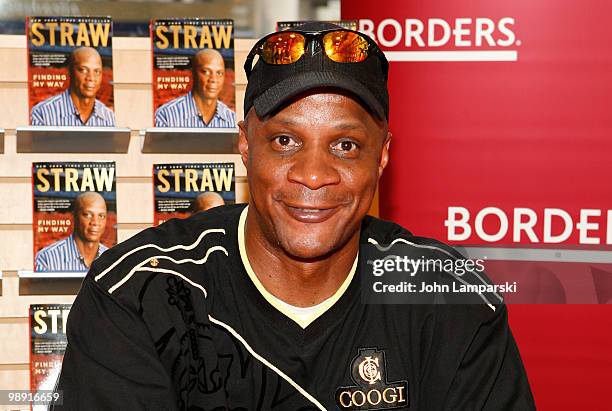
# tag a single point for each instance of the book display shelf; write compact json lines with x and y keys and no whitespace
{"x":134,"y":145}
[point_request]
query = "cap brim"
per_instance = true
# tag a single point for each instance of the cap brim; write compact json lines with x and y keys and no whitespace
{"x":282,"y":93}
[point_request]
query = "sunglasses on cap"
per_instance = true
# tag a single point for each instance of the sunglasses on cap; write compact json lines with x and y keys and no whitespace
{"x":339,"y":45}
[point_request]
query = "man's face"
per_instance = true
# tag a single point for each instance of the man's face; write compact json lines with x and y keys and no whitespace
{"x":91,"y":219}
{"x":86,"y":73}
{"x":210,"y":75}
{"x":313,"y":169}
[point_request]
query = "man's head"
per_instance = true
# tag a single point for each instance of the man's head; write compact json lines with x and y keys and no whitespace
{"x":208,"y":71}
{"x":89,"y":216}
{"x":363,"y":69}
{"x":85,"y":67}
{"x":313,"y":162}
{"x":207,"y":201}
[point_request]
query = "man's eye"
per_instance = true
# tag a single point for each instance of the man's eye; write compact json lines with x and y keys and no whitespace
{"x":285,"y":142}
{"x":346,"y":146}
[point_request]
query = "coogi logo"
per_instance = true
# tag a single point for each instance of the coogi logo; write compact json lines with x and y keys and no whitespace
{"x":372,"y":392}
{"x":368,"y":370}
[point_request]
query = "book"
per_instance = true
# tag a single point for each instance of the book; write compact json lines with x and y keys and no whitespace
{"x":47,"y":344}
{"x":181,"y":190}
{"x":70,"y":71}
{"x":75,"y":214}
{"x":193,"y":73}
{"x":288,"y":25}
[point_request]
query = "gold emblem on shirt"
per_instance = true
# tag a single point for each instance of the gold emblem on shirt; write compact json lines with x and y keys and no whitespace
{"x":368,"y":370}
{"x":371,"y":391}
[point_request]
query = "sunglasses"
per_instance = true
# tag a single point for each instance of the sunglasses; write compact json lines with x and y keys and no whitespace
{"x":287,"y":47}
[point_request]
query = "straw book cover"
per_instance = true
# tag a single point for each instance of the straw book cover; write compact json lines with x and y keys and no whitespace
{"x":70,"y":71}
{"x":193,"y":73}
{"x":75,"y":214}
{"x":181,"y":190}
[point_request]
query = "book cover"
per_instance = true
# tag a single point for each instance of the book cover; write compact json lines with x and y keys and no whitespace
{"x":70,"y":71}
{"x":287,"y":25}
{"x":183,"y":189}
{"x":75,"y":214}
{"x":193,"y":73}
{"x":47,"y":344}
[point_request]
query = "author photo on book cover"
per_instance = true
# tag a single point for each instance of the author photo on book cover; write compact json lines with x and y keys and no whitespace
{"x":77,"y":105}
{"x":77,"y":251}
{"x":201,"y":107}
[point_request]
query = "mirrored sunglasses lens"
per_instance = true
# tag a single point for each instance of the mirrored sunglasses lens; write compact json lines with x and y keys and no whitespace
{"x":283,"y":48}
{"x":345,"y":47}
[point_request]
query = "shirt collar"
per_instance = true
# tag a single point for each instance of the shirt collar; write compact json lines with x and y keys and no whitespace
{"x":72,"y":110}
{"x":192,"y":109}
{"x":223,"y":112}
{"x":97,"y":110}
{"x":73,"y":253}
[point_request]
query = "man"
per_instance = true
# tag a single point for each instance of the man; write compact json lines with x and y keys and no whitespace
{"x":260,"y":306}
{"x":206,"y":201}
{"x":200,"y":107}
{"x":77,"y":251}
{"x":77,"y":106}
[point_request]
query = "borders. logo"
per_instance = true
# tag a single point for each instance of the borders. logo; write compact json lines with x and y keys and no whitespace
{"x":437,"y":39}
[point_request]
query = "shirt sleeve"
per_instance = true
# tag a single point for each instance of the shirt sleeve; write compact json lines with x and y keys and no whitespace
{"x":110,"y":361}
{"x":37,"y":117}
{"x":160,"y":119}
{"x":490,"y":374}
{"x":112,"y":120}
{"x":40,"y":262}
{"x":232,"y":117}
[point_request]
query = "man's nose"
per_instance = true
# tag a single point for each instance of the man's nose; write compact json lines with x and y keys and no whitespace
{"x":314,"y":169}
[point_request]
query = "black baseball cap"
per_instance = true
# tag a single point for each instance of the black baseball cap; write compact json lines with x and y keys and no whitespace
{"x":272,"y":86}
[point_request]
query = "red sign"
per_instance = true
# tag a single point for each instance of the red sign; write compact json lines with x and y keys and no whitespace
{"x":500,"y":113}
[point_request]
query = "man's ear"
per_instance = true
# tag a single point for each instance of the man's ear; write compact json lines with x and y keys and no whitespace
{"x":384,"y":154}
{"x":243,"y":142}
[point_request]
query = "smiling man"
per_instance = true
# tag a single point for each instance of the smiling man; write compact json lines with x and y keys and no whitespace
{"x":200,"y":107}
{"x":77,"y":106}
{"x":259,"y":307}
{"x":315,"y":165}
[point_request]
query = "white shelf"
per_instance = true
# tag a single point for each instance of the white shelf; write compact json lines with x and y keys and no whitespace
{"x":190,"y":140}
{"x":49,"y":283}
{"x":45,"y":139}
{"x":49,"y":274}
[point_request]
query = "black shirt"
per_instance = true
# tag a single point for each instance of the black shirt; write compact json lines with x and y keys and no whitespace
{"x":174,"y":318}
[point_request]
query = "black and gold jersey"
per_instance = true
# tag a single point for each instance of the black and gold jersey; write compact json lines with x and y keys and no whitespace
{"x":175,"y":318}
